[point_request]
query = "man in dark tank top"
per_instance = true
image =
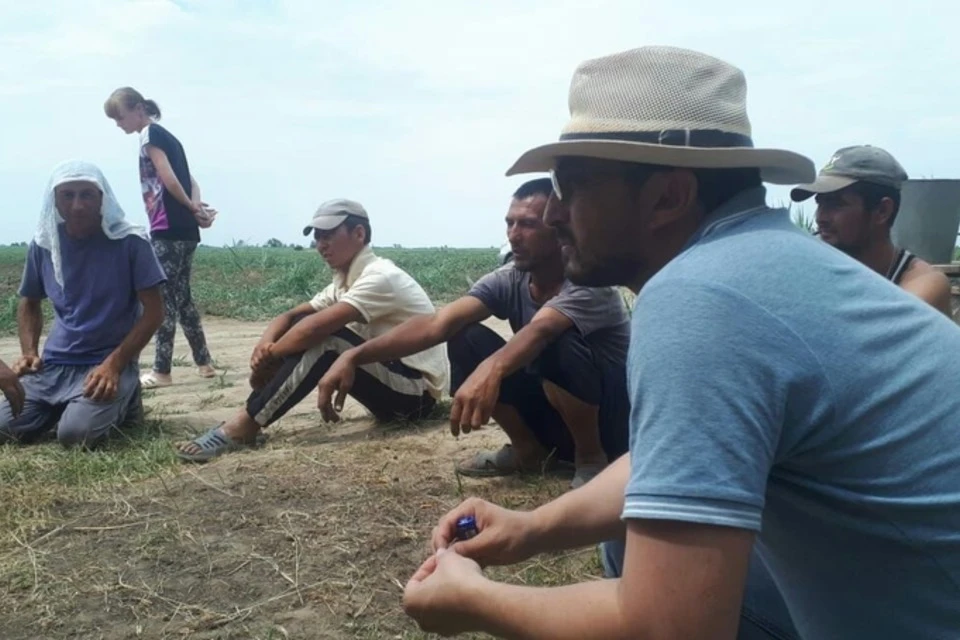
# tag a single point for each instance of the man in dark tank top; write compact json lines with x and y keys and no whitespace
{"x":858,"y":198}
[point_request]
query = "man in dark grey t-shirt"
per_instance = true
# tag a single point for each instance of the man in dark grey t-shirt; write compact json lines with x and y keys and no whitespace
{"x":557,"y":388}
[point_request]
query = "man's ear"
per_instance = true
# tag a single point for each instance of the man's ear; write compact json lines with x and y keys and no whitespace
{"x":884,"y":212}
{"x":676,"y":195}
{"x":359,"y":233}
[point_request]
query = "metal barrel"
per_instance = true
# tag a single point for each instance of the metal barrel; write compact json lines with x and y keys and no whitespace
{"x":929,"y":218}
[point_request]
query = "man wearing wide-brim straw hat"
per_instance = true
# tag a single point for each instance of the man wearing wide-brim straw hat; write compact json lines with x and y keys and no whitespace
{"x":767,"y":382}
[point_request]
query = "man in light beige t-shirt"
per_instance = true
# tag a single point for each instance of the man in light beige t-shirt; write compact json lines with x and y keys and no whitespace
{"x":368,"y":297}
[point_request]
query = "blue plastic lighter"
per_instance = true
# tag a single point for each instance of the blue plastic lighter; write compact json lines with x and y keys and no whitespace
{"x":466,"y":528}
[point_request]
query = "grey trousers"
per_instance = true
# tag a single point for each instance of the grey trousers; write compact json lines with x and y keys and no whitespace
{"x":54,"y":397}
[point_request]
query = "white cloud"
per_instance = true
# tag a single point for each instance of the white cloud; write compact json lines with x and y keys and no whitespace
{"x":417,"y":108}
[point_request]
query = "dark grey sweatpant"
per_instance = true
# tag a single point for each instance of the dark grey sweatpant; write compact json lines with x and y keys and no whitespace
{"x":55,"y":398}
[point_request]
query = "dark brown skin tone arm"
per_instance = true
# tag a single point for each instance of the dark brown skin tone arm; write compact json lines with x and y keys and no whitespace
{"x":314,"y":329}
{"x":29,"y":325}
{"x":142,"y":331}
{"x":103,"y":381}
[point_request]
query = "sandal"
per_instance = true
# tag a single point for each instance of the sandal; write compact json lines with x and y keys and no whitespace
{"x":151,"y":381}
{"x":215,"y":443}
{"x":503,"y":462}
{"x":585,"y":473}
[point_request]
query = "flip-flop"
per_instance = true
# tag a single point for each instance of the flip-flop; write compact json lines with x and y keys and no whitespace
{"x":215,"y":443}
{"x":150,"y":381}
{"x":490,"y":464}
{"x":585,"y":473}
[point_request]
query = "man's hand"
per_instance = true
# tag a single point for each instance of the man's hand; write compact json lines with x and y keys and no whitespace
{"x":476,"y":398}
{"x":27,"y":364}
{"x":102,"y":383}
{"x":261,"y":355}
{"x":338,"y":379}
{"x":12,"y":389}
{"x":438,"y":595}
{"x":505,"y":536}
{"x":263,"y":365}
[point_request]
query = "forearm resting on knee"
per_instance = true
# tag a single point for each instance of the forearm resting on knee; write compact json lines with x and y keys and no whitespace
{"x":29,"y":325}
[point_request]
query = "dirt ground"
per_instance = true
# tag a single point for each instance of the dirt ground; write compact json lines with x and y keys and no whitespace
{"x":312,"y":536}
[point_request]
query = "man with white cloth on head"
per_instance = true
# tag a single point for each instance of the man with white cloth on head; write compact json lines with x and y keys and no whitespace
{"x":103,"y":279}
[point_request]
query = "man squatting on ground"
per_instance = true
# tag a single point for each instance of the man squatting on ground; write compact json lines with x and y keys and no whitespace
{"x":368,"y":296}
{"x":557,"y":387}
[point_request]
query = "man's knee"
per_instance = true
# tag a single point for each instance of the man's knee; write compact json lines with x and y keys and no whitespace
{"x":467,"y":348}
{"x":568,"y":362}
{"x":72,"y":432}
{"x":25,"y":427}
{"x":473,"y":344}
{"x":84,"y":425}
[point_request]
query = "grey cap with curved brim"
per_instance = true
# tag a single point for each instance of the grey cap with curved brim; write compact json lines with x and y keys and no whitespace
{"x":332,"y":213}
{"x":861,"y":163}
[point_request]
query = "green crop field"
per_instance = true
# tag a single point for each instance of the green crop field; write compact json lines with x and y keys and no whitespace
{"x":254,"y":283}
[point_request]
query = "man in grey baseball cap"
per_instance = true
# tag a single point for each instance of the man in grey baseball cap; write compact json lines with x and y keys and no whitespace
{"x":367,"y":297}
{"x":858,"y":198}
{"x":332,"y":213}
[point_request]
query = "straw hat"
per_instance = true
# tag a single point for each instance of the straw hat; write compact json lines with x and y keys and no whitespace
{"x":664,"y":106}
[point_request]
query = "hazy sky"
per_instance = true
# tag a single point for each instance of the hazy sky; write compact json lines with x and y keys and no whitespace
{"x":416,"y":109}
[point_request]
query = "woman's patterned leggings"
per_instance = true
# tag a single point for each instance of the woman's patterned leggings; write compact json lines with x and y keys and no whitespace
{"x":176,"y":258}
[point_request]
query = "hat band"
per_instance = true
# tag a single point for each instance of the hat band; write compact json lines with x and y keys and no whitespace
{"x":671,"y":137}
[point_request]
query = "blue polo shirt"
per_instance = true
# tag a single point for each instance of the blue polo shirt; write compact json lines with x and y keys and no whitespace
{"x":780,"y":386}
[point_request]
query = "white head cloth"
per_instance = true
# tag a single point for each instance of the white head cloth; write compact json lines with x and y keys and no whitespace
{"x":113,"y":221}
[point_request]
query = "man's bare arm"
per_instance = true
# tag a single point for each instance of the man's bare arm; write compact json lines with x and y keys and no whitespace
{"x":314,"y":329}
{"x":139,"y":336}
{"x":282,"y":323}
{"x":29,"y":325}
{"x":585,"y":516}
{"x":932,"y":287}
{"x":528,"y":343}
{"x":681,"y":580}
{"x":420,"y":333}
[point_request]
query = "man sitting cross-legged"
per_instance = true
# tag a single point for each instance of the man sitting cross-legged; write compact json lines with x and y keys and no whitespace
{"x":369,"y":296}
{"x":557,"y":388}
{"x":103,"y":279}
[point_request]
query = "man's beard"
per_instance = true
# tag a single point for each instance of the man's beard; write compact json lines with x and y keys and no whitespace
{"x":609,"y":272}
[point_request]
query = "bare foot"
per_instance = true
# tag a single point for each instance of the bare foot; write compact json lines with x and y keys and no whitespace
{"x":206,"y":371}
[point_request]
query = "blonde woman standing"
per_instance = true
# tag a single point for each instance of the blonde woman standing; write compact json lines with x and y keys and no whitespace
{"x":176,"y":214}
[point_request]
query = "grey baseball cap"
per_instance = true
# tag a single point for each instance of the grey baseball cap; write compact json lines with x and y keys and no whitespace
{"x":332,"y":213}
{"x":862,"y":163}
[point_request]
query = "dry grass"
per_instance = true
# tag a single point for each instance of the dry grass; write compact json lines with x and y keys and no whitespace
{"x":296,"y":540}
{"x":311,"y":536}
